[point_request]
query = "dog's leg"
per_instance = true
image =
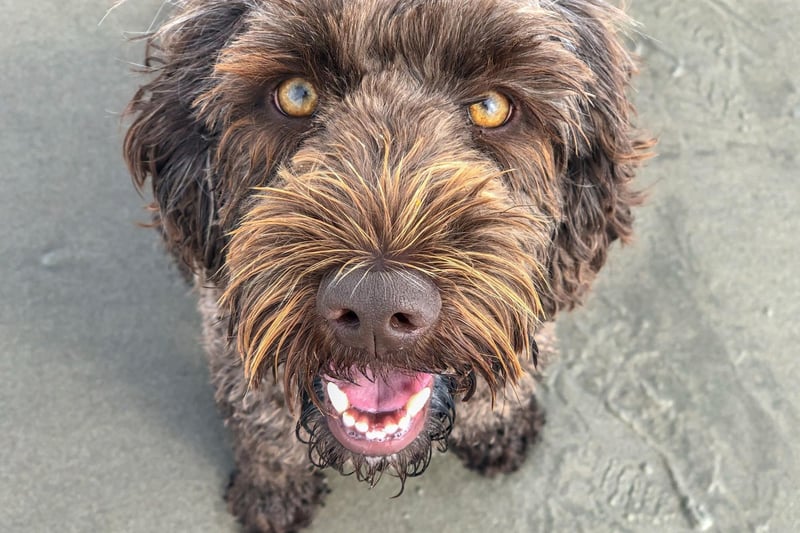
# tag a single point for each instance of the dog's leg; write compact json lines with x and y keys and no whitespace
{"x":492,"y":438}
{"x":274,"y":487}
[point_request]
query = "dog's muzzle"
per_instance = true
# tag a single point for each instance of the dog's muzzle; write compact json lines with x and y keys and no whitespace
{"x":381,"y":313}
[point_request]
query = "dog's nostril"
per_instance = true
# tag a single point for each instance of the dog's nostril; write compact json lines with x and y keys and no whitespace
{"x":347,"y":318}
{"x":402,"y":322}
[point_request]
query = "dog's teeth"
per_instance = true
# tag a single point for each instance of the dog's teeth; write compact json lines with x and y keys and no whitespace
{"x":390,"y":429}
{"x":348,"y":420}
{"x":376,"y":435}
{"x":405,"y":422}
{"x":338,"y":398}
{"x":418,"y":401}
{"x":362,"y":426}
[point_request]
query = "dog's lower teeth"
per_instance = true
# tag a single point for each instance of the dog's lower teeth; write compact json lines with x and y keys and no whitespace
{"x":338,"y":398}
{"x":417,"y":402}
{"x":377,"y":426}
{"x":404,"y":423}
{"x":376,"y":435}
{"x":362,"y":428}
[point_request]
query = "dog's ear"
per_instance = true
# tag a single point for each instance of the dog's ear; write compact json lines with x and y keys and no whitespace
{"x":168,"y":143}
{"x":596,"y":196}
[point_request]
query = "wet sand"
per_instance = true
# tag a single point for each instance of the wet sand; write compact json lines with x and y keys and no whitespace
{"x":674,"y":406}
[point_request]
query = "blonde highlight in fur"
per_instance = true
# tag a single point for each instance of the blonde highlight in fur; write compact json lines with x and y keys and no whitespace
{"x":451,"y":222}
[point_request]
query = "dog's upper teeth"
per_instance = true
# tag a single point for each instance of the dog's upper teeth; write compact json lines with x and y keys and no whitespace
{"x":418,"y":401}
{"x":391,"y":429}
{"x":404,"y":423}
{"x":338,"y":398}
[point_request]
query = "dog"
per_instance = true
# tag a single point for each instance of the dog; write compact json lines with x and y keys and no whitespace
{"x":383,"y":205}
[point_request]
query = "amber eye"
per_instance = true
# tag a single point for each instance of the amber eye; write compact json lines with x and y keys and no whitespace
{"x":490,"y":112}
{"x":296,"y":97}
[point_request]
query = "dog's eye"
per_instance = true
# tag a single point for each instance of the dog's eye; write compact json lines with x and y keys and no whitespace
{"x":296,"y":97}
{"x":490,"y":112}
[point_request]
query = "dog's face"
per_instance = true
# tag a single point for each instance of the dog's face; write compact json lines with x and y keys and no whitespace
{"x":392,"y":194}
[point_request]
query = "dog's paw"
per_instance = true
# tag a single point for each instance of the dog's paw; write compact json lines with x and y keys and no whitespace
{"x":503,"y":447}
{"x":272,"y":508}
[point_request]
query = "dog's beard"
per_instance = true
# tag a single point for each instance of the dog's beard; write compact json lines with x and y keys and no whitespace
{"x":325,"y":450}
{"x":452,"y":223}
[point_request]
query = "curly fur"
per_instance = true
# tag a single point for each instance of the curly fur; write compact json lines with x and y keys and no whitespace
{"x":512,"y":224}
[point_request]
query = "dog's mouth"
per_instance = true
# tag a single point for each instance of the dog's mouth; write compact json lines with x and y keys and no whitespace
{"x":378,"y":415}
{"x":367,"y":423}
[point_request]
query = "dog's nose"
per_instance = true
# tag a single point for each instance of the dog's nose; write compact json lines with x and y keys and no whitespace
{"x":382,"y":311}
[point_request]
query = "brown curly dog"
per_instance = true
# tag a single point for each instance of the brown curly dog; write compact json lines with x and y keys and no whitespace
{"x":383,"y":204}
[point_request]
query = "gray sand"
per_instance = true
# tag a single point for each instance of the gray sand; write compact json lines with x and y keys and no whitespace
{"x":675,"y":406}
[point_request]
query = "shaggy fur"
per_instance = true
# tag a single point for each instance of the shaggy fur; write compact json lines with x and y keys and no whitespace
{"x":510,"y":224}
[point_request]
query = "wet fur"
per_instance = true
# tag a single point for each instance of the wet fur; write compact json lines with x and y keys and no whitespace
{"x":512,"y":224}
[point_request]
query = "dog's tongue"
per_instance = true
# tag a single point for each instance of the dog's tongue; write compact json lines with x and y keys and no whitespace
{"x":382,"y":394}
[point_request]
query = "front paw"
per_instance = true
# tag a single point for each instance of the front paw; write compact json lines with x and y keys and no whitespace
{"x":502,"y":447}
{"x":273,"y":508}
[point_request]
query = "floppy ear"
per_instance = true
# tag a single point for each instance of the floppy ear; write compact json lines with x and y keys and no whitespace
{"x":167,"y":141}
{"x":596,"y":196}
